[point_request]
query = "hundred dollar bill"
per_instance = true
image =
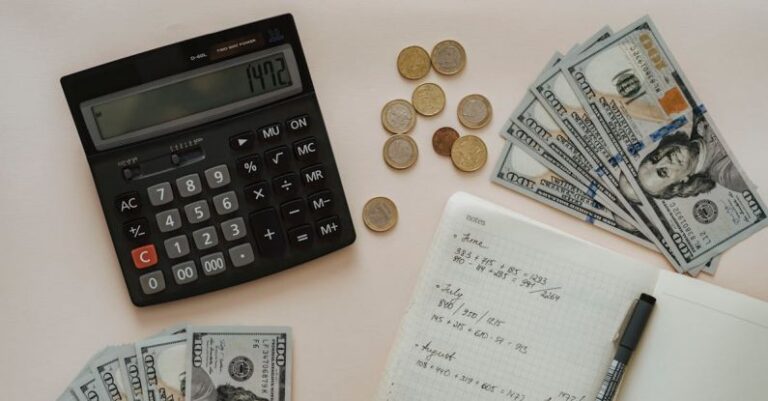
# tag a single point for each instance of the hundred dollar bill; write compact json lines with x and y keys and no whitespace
{"x":87,"y":387}
{"x":239,"y":363}
{"x":518,"y":171}
{"x":161,"y":365}
{"x":129,"y":364}
{"x":107,"y":368}
{"x":674,"y":163}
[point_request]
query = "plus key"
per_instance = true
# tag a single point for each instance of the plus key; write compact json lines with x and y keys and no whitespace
{"x":268,"y":232}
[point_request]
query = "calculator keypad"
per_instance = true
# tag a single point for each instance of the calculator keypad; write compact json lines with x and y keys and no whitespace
{"x":236,"y":216}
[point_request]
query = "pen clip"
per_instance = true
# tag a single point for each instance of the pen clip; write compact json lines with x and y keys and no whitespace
{"x":624,"y":322}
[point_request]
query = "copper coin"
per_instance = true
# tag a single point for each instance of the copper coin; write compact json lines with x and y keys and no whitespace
{"x":443,"y":139}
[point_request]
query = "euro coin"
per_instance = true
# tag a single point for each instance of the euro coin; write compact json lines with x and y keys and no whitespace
{"x":380,"y":214}
{"x":469,"y":153}
{"x":448,"y":57}
{"x":398,"y":116}
{"x":400,"y":151}
{"x":428,"y":99}
{"x":443,"y":139}
{"x":413,"y":62}
{"x":474,"y":111}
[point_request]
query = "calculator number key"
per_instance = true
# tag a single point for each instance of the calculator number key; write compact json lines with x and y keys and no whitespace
{"x":189,"y":185}
{"x":160,"y":194}
{"x":176,"y":247}
{"x":197,"y":211}
{"x":185,"y":272}
{"x":213,"y":264}
{"x":233,"y":229}
{"x":168,"y":220}
{"x":205,"y":238}
{"x":217,"y":177}
{"x":225,"y":203}
{"x":152,"y":283}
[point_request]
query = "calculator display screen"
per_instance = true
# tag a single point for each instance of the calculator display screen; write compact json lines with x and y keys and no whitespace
{"x":191,"y":97}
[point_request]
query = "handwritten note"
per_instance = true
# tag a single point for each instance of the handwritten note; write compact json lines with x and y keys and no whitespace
{"x":506,"y":309}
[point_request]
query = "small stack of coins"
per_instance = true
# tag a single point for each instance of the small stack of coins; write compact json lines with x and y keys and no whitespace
{"x":428,"y":99}
{"x":468,"y":153}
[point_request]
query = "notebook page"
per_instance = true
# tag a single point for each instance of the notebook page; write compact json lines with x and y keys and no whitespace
{"x":702,"y":343}
{"x":507,"y":309}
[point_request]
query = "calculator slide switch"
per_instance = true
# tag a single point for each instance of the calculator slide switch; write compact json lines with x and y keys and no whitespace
{"x":266,"y":229}
{"x":144,"y":256}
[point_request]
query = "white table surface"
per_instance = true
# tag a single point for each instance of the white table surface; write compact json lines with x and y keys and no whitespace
{"x":62,"y":296}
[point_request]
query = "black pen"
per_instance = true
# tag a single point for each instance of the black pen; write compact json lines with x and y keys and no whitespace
{"x":627,"y":344}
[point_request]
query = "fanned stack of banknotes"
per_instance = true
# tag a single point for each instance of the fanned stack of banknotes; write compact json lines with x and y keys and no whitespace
{"x":612,"y":133}
{"x":216,"y":363}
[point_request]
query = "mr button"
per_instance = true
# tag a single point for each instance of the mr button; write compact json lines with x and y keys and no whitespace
{"x":313,"y":176}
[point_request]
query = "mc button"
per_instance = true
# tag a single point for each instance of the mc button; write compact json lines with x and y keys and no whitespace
{"x":128,"y":203}
{"x":144,"y":256}
{"x":305,"y":149}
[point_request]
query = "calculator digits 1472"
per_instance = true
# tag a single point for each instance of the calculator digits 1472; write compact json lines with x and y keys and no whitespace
{"x":211,"y":160}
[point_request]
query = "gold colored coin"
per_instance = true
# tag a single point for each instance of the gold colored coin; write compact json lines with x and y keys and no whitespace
{"x":380,"y":214}
{"x":400,"y":151}
{"x":398,"y":116}
{"x":413,"y":62}
{"x":448,"y":57}
{"x":474,"y":111}
{"x":443,"y":139}
{"x":428,"y":99}
{"x":469,"y":153}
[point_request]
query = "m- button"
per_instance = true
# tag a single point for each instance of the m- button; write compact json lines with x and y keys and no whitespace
{"x":321,"y":201}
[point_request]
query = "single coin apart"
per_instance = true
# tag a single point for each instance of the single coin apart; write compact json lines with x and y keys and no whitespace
{"x":400,"y":151}
{"x":428,"y":99}
{"x":474,"y":111}
{"x":448,"y":57}
{"x":413,"y":62}
{"x":380,"y":214}
{"x":398,"y":116}
{"x":443,"y":139}
{"x":469,"y":153}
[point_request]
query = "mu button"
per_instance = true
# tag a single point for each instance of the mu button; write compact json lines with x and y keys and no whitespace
{"x":144,"y":256}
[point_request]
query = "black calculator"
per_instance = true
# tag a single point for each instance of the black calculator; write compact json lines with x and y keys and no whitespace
{"x":211,"y":160}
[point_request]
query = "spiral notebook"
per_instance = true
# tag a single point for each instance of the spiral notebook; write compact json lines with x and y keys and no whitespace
{"x":509,"y":309}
